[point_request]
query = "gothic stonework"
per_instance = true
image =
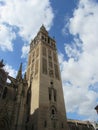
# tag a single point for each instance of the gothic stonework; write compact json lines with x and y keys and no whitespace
{"x":47,"y":109}
{"x":13,"y":106}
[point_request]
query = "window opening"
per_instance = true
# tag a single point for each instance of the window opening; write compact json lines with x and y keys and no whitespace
{"x":51,"y":83}
{"x":44,"y":66}
{"x":53,"y":112}
{"x":45,"y":124}
{"x":43,"y":37}
{"x":48,"y":40}
{"x":50,"y":94}
{"x":55,"y":95}
{"x":62,"y":125}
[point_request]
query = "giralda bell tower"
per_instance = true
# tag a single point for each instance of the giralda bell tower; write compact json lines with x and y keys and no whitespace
{"x":47,"y":107}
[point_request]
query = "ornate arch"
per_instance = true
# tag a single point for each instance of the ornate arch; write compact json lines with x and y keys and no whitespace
{"x":4,"y":123}
{"x":53,"y":112}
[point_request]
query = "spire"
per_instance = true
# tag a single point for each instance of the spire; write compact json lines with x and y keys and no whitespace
{"x":43,"y":29}
{"x":19,"y":74}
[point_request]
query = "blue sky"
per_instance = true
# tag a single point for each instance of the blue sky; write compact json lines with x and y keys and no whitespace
{"x":74,"y":24}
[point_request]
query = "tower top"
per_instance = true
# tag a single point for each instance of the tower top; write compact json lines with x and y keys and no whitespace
{"x":43,"y":29}
{"x":43,"y":37}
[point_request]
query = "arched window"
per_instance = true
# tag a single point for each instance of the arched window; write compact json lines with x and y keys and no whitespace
{"x":53,"y":112}
{"x":4,"y":123}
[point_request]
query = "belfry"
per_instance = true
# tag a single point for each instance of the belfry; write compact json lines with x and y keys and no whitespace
{"x":47,"y":109}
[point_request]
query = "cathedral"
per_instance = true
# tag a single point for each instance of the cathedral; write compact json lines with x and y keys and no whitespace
{"x":35,"y":101}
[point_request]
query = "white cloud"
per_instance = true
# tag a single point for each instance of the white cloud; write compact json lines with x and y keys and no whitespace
{"x":25,"y":51}
{"x":27,"y":16}
{"x":80,"y":72}
{"x":6,"y":37}
{"x":11,"y":71}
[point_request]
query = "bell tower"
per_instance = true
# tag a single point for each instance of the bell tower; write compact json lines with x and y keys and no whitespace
{"x":47,"y":109}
